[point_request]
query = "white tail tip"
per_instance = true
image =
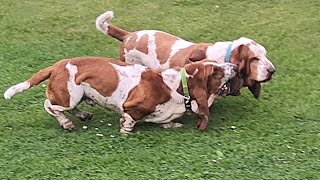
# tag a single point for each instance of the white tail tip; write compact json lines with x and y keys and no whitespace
{"x":101,"y":23}
{"x":16,"y":89}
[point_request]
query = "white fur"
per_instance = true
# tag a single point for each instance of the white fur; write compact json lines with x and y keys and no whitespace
{"x":149,"y":33}
{"x":137,"y":57}
{"x":101,"y":21}
{"x":172,"y":79}
{"x":217,"y":51}
{"x":166,"y":112}
{"x":16,"y":89}
{"x":264,"y":64}
{"x":51,"y":108}
{"x":129,"y":77}
{"x":75,"y":91}
{"x":228,"y":72}
{"x":107,"y":102}
{"x":126,"y":123}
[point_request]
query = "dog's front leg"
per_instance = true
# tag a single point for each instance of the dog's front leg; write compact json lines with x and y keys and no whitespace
{"x":126,"y":123}
{"x":202,"y":101}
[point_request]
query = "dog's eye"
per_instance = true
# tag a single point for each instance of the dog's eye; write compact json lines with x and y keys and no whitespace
{"x":255,"y":59}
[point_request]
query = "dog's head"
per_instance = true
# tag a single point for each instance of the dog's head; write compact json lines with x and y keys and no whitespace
{"x":253,"y":65}
{"x":214,"y":74}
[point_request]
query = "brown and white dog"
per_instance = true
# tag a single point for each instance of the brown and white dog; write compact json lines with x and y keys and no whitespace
{"x":138,"y":93}
{"x":156,"y":49}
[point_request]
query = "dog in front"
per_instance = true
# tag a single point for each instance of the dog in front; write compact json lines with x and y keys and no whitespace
{"x":138,"y":93}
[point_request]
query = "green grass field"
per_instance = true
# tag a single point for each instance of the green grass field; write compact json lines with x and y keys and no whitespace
{"x":276,"y":137}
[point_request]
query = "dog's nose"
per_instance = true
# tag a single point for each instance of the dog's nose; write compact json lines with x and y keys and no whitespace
{"x":235,"y":68}
{"x":271,"y":70}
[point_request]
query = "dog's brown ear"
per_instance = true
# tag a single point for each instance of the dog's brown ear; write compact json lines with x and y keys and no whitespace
{"x":255,"y":90}
{"x":234,"y":85}
{"x":197,"y":55}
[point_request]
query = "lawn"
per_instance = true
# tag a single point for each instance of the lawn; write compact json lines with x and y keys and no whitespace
{"x":275,"y":137}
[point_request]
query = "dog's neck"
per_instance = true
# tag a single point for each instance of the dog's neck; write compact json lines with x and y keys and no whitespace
{"x":217,"y":51}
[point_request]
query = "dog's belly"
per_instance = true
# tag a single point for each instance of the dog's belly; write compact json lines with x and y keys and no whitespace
{"x":166,"y":112}
{"x":94,"y":95}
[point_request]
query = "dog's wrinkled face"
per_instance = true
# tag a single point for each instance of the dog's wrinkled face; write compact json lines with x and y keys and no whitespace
{"x":254,"y":67}
{"x":221,"y":74}
{"x":252,"y":61}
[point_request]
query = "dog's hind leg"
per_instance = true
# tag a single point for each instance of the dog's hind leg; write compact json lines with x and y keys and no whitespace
{"x":64,"y":121}
{"x":84,"y":116}
{"x":58,"y":112}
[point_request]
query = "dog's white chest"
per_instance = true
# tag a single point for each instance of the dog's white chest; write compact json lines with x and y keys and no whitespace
{"x":166,"y":112}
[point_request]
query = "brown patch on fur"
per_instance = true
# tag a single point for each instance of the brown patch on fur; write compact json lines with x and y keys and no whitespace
{"x":40,"y":76}
{"x":121,"y":53}
{"x":182,"y":57}
{"x":150,"y":92}
{"x":57,"y":91}
{"x":98,"y":74}
{"x":117,"y":33}
{"x":244,"y":58}
{"x":142,"y":44}
{"x":197,"y":55}
{"x":163,"y":41}
{"x":205,"y":82}
{"x":128,"y":44}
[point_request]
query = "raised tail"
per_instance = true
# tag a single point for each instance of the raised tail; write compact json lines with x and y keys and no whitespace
{"x":106,"y":28}
{"x":33,"y":81}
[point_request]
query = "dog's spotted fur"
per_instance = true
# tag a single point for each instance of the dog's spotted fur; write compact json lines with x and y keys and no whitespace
{"x":138,"y":93}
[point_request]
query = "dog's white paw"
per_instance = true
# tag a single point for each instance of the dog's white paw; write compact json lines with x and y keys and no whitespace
{"x":178,"y":98}
{"x":171,"y":125}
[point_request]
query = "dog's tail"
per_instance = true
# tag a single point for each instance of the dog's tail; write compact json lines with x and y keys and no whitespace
{"x":33,"y":81}
{"x":106,"y":28}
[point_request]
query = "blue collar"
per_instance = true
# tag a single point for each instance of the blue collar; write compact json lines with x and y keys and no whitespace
{"x":228,"y":54}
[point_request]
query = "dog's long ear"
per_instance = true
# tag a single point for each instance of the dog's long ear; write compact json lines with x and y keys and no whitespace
{"x":234,"y":85}
{"x":255,"y":89}
{"x":197,"y":55}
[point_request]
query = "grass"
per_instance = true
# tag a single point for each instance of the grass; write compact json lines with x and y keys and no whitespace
{"x":276,"y":137}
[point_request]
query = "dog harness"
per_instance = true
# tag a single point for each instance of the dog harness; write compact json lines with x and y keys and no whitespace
{"x":187,"y":101}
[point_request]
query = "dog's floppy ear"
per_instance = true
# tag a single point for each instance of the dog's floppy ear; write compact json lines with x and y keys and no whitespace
{"x":234,"y":85}
{"x":197,"y":55}
{"x":255,"y":89}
